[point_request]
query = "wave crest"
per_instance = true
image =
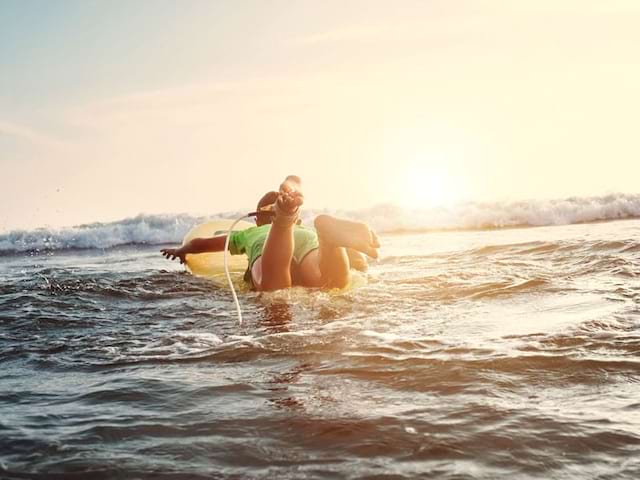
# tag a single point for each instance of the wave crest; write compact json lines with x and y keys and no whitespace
{"x":491,"y":215}
{"x":142,"y":229}
{"x":163,"y":229}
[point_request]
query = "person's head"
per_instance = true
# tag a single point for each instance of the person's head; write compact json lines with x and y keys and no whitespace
{"x":268,"y":198}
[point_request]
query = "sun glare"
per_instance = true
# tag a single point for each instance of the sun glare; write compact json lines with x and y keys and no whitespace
{"x":429,"y":187}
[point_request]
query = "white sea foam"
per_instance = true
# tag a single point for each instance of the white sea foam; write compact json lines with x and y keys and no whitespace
{"x":166,"y":229}
{"x":476,"y":215}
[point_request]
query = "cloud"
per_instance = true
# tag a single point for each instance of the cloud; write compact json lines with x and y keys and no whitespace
{"x":454,"y":27}
{"x":197,"y":103}
{"x":351,"y":33}
{"x":584,"y":7}
{"x":30,"y":135}
{"x":455,"y":20}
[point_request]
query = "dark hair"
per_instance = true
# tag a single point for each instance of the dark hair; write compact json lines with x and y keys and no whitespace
{"x":268,"y":198}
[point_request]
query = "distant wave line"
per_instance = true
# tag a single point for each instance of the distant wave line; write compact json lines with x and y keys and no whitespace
{"x":391,"y":219}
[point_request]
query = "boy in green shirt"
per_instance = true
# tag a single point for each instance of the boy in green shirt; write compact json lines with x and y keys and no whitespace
{"x":282,"y":253}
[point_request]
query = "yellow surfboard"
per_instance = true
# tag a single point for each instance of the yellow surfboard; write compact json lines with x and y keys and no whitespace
{"x":211,"y":265}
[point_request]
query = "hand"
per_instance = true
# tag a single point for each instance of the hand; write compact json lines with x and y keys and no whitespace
{"x":173,"y":253}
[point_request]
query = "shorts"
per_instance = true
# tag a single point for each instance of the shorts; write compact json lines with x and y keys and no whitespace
{"x":305,"y":240}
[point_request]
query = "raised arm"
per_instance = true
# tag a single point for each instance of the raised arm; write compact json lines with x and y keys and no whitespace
{"x":197,"y":245}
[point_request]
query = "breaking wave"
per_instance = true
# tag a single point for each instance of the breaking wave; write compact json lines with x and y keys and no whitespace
{"x":492,"y":215}
{"x":164,"y":229}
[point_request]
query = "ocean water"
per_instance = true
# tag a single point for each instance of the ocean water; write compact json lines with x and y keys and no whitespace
{"x":470,"y":353}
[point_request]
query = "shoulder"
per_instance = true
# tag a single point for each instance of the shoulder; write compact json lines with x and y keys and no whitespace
{"x":246,"y":230}
{"x":251,"y":232}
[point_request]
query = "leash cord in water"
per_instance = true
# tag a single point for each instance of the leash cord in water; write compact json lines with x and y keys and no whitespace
{"x":226,"y":268}
{"x":265,"y":211}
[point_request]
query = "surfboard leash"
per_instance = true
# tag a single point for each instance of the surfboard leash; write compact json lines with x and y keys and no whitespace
{"x":267,"y":210}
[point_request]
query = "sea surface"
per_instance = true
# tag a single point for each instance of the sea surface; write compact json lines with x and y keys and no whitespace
{"x":470,"y":353}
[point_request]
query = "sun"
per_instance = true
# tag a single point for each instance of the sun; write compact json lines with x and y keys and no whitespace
{"x":428,"y":187}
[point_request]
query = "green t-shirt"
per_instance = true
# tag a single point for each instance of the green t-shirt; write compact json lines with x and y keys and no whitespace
{"x":251,"y":242}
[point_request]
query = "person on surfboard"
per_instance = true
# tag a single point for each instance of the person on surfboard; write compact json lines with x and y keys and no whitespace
{"x":283,"y":253}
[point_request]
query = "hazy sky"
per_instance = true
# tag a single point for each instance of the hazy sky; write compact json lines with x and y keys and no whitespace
{"x":113,"y":108}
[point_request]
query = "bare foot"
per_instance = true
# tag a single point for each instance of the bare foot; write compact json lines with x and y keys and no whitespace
{"x":290,"y":199}
{"x":357,"y":260}
{"x":345,"y":233}
{"x":292,"y":182}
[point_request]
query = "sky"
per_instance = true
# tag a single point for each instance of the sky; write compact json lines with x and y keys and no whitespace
{"x":109,"y":109}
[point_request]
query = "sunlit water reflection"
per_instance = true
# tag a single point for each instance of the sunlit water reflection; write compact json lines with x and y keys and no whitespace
{"x":466,"y":355}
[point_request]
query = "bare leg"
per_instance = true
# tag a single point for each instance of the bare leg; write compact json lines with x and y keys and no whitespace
{"x":274,"y":270}
{"x":334,"y":266}
{"x":335,"y":237}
